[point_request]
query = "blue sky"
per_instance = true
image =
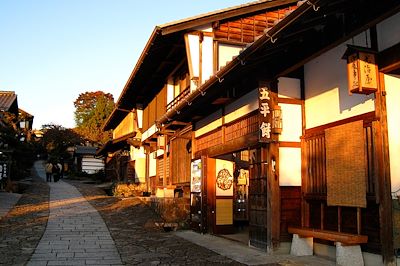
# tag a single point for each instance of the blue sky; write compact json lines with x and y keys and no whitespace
{"x":52,"y":50}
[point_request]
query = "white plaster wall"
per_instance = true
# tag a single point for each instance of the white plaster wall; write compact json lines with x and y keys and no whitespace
{"x":149,"y":132}
{"x":139,"y":156}
{"x":392,"y":86}
{"x":193,"y":54}
{"x":170,"y":91}
{"x":241,"y":107}
{"x":207,"y":57}
{"x":152,"y":164}
{"x":226,"y":52}
{"x":208,"y":124}
{"x":289,"y":88}
{"x":326,"y":90}
{"x":388,"y":32}
{"x":291,"y":122}
{"x":139,"y":114}
{"x":289,"y":166}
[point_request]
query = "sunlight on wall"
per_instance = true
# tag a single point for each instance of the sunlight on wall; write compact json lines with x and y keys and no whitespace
{"x":139,"y":156}
{"x":152,"y":164}
{"x":392,"y":86}
{"x":326,"y":91}
{"x":210,"y":127}
{"x":192,"y":50}
{"x":226,"y":52}
{"x":289,"y":167}
{"x":243,"y":106}
{"x":207,"y":59}
{"x":148,"y":133}
{"x":291,"y":122}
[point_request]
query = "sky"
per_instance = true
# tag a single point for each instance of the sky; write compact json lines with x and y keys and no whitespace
{"x":53,"y":50}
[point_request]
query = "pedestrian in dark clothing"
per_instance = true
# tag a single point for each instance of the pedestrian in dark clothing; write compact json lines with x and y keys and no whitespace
{"x":56,"y":172}
{"x":49,"y":171}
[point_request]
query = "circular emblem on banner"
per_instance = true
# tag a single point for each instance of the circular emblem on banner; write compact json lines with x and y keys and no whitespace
{"x":224,"y":179}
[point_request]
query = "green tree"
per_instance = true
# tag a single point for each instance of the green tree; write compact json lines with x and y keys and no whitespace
{"x":91,"y":111}
{"x":56,"y":141}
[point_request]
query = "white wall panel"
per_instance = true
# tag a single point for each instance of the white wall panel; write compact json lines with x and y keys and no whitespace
{"x":392,"y":86}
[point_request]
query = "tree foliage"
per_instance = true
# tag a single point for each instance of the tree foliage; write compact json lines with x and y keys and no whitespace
{"x":57,"y":139}
{"x":91,"y":111}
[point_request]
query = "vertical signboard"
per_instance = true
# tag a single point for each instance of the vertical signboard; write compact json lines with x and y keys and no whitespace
{"x":265,"y":114}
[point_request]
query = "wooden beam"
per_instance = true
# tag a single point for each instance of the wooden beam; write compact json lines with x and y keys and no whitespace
{"x":250,"y":140}
{"x":384,"y":184}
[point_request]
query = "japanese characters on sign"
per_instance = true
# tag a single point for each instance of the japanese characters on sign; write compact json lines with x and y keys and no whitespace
{"x":3,"y":170}
{"x":362,"y":70}
{"x":265,"y":115}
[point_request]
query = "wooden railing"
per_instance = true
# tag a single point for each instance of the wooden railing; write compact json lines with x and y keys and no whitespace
{"x":178,"y":98}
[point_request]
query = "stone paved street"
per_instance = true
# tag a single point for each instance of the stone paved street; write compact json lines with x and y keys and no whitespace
{"x":139,"y":241}
{"x":75,"y":234}
{"x":101,"y":230}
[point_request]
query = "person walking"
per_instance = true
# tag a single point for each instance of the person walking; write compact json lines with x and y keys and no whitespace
{"x":49,"y":171}
{"x":60,"y":170}
{"x":56,"y":172}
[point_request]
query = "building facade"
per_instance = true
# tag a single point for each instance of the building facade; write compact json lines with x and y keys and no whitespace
{"x":289,"y":129}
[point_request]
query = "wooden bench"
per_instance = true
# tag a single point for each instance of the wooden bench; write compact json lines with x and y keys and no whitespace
{"x":348,"y":250}
{"x":344,"y":238}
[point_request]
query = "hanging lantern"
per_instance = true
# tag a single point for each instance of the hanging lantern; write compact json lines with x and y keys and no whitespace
{"x":362,"y":71}
{"x":277,"y":120}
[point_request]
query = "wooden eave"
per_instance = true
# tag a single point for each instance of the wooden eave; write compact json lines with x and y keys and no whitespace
{"x":222,"y":14}
{"x":298,"y":38}
{"x":115,"y":144}
{"x":164,"y":50}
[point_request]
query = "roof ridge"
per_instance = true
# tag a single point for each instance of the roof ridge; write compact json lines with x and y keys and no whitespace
{"x":175,"y":22}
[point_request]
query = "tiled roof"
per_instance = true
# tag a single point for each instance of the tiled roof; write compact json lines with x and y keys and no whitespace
{"x":85,"y":150}
{"x":216,"y":12}
{"x":7,"y":98}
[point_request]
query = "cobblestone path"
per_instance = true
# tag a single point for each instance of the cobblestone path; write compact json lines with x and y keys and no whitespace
{"x":139,"y":241}
{"x":75,"y":233}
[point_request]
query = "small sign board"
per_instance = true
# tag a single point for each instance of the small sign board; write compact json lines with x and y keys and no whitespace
{"x":265,"y":114}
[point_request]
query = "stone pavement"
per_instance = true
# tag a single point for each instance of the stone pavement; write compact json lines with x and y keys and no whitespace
{"x":8,"y":200}
{"x":140,"y":242}
{"x":131,"y":226}
{"x":75,"y":233}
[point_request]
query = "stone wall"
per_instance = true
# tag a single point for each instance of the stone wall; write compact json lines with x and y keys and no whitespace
{"x":173,"y":210}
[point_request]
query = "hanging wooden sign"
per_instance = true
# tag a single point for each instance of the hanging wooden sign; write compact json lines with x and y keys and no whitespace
{"x":265,"y":114}
{"x":362,"y":71}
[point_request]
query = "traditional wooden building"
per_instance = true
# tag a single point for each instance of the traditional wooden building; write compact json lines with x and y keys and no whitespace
{"x":281,"y":116}
{"x":85,"y":160}
{"x":318,"y":139}
{"x":178,"y":59}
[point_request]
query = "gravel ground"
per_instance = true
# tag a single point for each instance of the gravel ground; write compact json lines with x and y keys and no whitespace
{"x":139,"y":241}
{"x":22,"y":228}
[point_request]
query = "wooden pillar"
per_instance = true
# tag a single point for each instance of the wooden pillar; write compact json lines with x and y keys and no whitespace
{"x":384,"y":183}
{"x":270,"y":159}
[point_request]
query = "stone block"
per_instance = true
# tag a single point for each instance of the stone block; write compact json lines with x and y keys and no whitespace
{"x":349,"y":255}
{"x":301,"y":246}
